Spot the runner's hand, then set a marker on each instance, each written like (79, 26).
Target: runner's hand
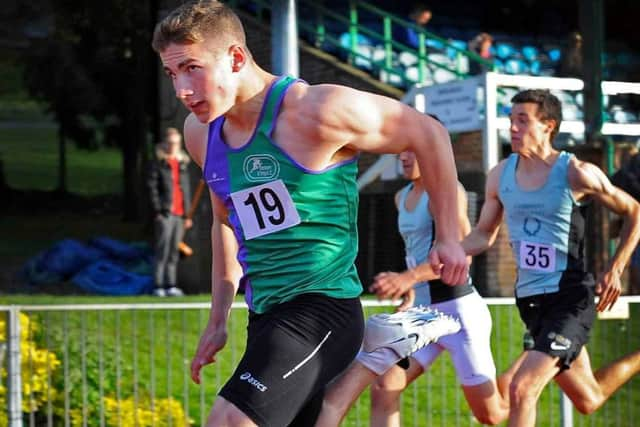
(609, 289)
(450, 262)
(407, 300)
(391, 285)
(213, 339)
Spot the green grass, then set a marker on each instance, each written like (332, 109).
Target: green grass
(148, 352)
(30, 156)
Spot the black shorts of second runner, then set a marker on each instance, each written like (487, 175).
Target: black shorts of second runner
(559, 322)
(292, 352)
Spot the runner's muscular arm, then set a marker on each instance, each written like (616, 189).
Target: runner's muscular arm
(226, 271)
(366, 122)
(587, 180)
(484, 234)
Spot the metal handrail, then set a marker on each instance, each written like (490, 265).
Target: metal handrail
(353, 27)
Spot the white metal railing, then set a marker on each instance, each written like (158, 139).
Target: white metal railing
(108, 364)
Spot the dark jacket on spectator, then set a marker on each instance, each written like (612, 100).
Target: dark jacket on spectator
(160, 182)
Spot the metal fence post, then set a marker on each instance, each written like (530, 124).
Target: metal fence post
(566, 410)
(14, 383)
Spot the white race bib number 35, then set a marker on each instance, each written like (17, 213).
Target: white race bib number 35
(265, 209)
(537, 256)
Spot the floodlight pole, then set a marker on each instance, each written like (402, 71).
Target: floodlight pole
(284, 39)
(592, 32)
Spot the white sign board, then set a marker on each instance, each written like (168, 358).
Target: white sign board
(455, 103)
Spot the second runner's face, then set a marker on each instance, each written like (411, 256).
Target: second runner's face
(410, 168)
(202, 80)
(528, 132)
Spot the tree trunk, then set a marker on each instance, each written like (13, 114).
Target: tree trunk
(136, 122)
(62, 161)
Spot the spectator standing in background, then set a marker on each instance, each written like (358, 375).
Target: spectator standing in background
(481, 45)
(420, 15)
(571, 58)
(169, 191)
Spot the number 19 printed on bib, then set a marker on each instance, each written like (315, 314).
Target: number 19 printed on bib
(265, 209)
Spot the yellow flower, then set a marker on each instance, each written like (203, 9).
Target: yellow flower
(156, 412)
(36, 367)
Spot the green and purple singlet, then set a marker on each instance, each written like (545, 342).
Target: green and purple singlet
(296, 228)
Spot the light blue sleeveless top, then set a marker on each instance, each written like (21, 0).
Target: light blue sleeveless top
(417, 229)
(546, 230)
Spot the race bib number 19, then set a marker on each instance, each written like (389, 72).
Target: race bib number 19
(537, 256)
(265, 209)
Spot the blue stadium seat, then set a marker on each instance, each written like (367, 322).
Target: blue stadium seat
(515, 66)
(535, 68)
(452, 52)
(498, 65)
(434, 44)
(441, 75)
(554, 54)
(411, 73)
(392, 79)
(504, 50)
(407, 59)
(361, 39)
(619, 115)
(439, 58)
(530, 53)
(363, 60)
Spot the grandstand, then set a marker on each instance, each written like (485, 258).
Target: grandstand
(361, 34)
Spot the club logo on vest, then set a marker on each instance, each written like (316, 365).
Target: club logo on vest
(253, 381)
(261, 167)
(531, 226)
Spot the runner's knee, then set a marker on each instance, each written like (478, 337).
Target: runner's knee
(224, 413)
(587, 403)
(523, 392)
(489, 416)
(385, 392)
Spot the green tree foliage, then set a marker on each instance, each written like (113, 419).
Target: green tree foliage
(92, 64)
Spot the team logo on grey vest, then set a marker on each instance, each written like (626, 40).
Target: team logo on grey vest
(531, 226)
(261, 167)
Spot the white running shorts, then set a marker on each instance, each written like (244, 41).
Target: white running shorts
(470, 348)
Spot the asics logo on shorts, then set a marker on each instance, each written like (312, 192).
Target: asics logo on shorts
(254, 382)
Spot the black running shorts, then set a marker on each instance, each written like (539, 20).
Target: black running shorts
(292, 352)
(559, 322)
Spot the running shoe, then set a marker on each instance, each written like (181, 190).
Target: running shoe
(406, 332)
